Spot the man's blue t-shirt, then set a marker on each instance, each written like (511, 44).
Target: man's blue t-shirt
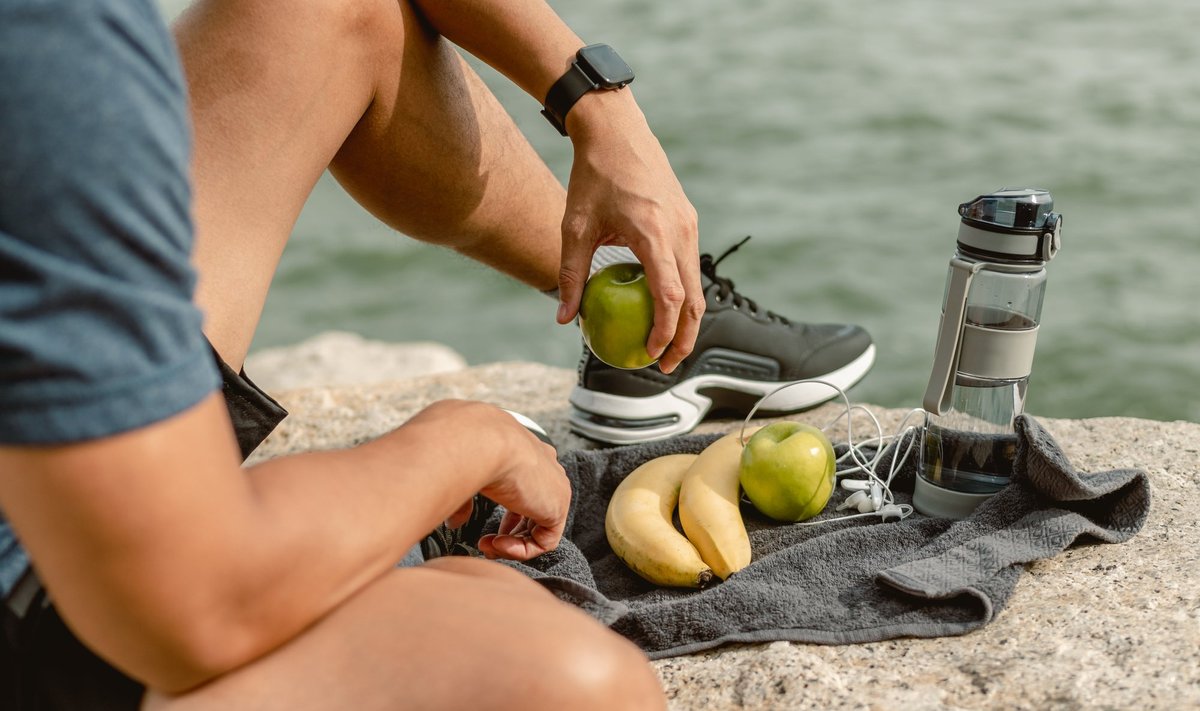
(98, 333)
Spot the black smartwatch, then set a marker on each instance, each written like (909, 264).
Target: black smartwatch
(596, 66)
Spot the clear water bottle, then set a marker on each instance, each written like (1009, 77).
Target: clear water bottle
(990, 316)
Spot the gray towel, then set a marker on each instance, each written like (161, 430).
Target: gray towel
(849, 581)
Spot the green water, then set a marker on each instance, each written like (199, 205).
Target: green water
(842, 134)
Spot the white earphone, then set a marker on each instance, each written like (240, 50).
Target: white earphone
(871, 497)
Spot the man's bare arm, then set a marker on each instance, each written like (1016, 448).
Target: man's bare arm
(622, 188)
(177, 565)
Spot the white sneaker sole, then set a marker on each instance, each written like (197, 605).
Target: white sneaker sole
(617, 419)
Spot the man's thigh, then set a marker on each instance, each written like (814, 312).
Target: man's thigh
(460, 633)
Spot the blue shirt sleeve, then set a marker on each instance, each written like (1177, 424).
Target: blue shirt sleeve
(98, 332)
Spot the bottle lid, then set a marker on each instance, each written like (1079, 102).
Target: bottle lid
(1010, 224)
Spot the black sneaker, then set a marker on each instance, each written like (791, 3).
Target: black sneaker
(742, 353)
(464, 540)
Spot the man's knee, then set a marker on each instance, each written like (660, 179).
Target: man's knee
(350, 22)
(595, 667)
(606, 671)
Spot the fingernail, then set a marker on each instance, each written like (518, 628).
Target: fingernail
(562, 311)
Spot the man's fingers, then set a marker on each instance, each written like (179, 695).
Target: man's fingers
(487, 547)
(662, 276)
(690, 314)
(573, 270)
(546, 538)
(507, 547)
(529, 544)
(509, 522)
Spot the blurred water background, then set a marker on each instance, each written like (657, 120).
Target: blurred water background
(842, 135)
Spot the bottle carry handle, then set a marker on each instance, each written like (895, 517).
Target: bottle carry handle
(949, 341)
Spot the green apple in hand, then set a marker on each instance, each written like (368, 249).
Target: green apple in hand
(616, 314)
(787, 470)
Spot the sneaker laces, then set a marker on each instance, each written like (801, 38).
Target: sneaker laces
(725, 287)
(444, 541)
(464, 540)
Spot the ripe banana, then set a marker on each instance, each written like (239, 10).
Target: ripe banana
(709, 506)
(640, 529)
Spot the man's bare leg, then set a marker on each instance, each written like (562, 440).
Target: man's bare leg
(280, 91)
(454, 634)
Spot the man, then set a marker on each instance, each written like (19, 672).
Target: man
(375, 92)
(272, 587)
(275, 586)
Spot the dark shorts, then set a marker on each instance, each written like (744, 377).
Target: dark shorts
(254, 413)
(43, 667)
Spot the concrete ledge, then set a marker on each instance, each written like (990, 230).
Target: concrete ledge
(1100, 626)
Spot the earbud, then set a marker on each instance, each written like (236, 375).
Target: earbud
(855, 501)
(856, 484)
(866, 505)
(862, 500)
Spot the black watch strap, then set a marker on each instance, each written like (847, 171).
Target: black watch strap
(569, 89)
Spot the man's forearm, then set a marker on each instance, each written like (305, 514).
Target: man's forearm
(328, 522)
(175, 565)
(530, 44)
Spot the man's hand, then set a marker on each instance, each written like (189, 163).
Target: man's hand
(519, 539)
(527, 480)
(622, 191)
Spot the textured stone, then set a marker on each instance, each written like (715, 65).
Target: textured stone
(1098, 627)
(341, 358)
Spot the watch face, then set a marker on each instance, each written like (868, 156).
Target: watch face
(606, 66)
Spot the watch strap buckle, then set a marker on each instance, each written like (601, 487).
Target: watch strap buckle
(558, 125)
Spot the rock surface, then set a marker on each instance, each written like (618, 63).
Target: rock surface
(341, 358)
(1098, 627)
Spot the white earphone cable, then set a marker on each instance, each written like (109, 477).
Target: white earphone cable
(873, 496)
